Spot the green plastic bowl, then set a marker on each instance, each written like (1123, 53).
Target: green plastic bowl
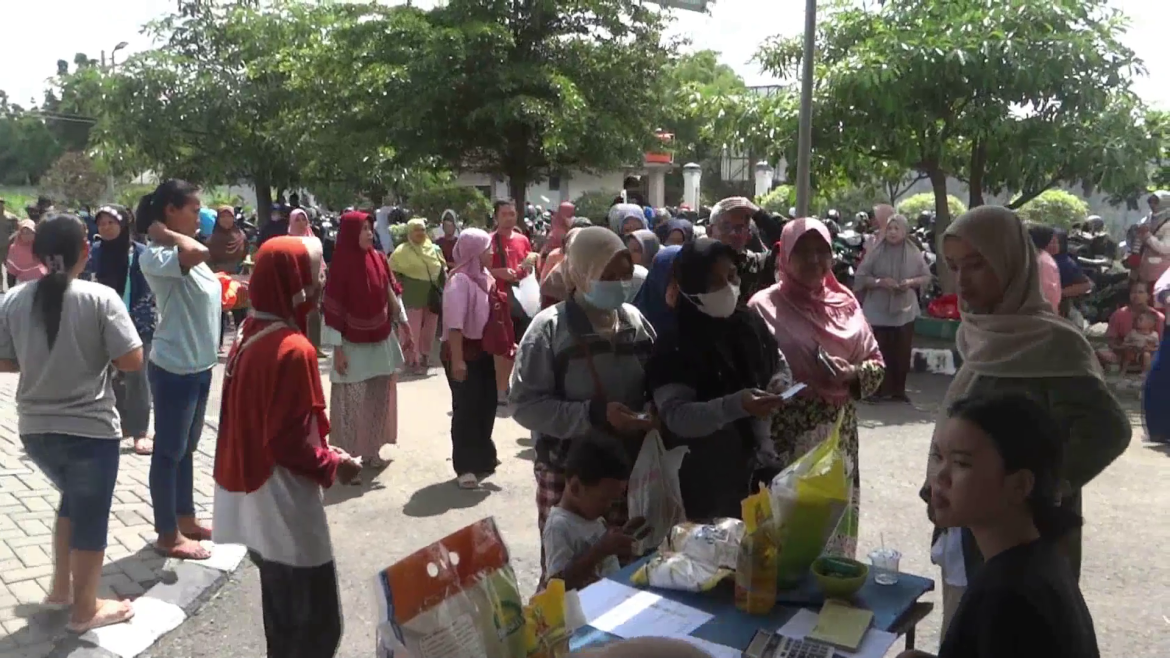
(839, 577)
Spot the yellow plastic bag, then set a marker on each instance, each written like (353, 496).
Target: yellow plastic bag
(809, 500)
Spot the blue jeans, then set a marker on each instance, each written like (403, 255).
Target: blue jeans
(85, 470)
(180, 402)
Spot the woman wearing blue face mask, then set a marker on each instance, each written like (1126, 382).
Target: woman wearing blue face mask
(580, 368)
(709, 380)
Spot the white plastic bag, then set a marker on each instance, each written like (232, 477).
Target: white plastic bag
(528, 294)
(654, 491)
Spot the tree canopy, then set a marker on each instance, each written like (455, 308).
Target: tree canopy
(1008, 97)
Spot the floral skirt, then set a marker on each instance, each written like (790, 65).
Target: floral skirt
(363, 416)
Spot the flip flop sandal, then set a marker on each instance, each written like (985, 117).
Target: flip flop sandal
(125, 612)
(144, 446)
(171, 553)
(467, 481)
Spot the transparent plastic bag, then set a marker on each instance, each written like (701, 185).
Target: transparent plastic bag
(654, 490)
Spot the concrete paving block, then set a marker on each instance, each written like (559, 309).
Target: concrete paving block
(192, 584)
(123, 585)
(138, 571)
(224, 557)
(152, 619)
(27, 592)
(31, 573)
(34, 528)
(39, 504)
(73, 647)
(33, 556)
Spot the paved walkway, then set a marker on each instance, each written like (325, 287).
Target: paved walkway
(27, 512)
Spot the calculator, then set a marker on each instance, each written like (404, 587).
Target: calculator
(774, 645)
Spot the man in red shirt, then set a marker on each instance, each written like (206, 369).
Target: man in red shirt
(510, 248)
(1122, 321)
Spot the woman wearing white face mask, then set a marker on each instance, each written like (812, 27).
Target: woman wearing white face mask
(709, 379)
(579, 371)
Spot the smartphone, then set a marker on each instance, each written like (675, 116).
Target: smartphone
(826, 362)
(796, 388)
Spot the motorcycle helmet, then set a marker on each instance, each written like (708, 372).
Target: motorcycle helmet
(1094, 224)
(833, 215)
(925, 219)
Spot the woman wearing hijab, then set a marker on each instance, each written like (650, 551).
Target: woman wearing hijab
(657, 298)
(361, 309)
(227, 248)
(580, 368)
(449, 238)
(1073, 281)
(1042, 236)
(643, 245)
(22, 264)
(471, 371)
(709, 381)
(115, 262)
(421, 269)
(625, 218)
(1011, 341)
(823, 335)
(553, 286)
(890, 276)
(298, 224)
(555, 255)
(272, 459)
(675, 232)
(1153, 237)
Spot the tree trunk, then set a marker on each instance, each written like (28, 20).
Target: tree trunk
(518, 190)
(942, 220)
(263, 199)
(975, 180)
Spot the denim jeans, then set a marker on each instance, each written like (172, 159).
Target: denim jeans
(180, 402)
(85, 470)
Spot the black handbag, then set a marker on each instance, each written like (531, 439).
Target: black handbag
(435, 294)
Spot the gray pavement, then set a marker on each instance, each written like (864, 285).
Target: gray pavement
(414, 501)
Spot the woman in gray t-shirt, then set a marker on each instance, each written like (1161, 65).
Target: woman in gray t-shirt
(61, 334)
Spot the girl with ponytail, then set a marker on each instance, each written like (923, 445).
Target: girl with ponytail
(995, 470)
(61, 334)
(182, 355)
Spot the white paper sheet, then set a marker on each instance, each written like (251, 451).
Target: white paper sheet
(628, 612)
(874, 644)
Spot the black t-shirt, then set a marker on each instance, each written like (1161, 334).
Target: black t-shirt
(1023, 603)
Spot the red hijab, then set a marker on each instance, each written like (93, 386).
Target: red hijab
(359, 285)
(271, 389)
(804, 317)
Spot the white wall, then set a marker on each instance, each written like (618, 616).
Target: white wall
(571, 186)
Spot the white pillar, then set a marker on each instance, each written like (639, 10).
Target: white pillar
(692, 173)
(657, 186)
(500, 189)
(763, 178)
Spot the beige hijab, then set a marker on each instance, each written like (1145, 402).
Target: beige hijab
(587, 256)
(895, 261)
(1022, 337)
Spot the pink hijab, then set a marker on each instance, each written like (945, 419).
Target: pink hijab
(471, 244)
(305, 231)
(803, 317)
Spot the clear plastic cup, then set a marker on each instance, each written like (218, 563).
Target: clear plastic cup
(885, 563)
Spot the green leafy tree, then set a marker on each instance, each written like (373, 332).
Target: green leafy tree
(1028, 96)
(75, 180)
(27, 146)
(594, 206)
(1056, 208)
(208, 104)
(521, 90)
(73, 101)
(472, 207)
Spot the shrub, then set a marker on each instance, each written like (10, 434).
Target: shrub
(914, 205)
(74, 180)
(472, 207)
(594, 206)
(1055, 208)
(779, 200)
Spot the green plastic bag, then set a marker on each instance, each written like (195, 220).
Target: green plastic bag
(809, 501)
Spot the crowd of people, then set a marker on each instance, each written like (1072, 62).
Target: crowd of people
(640, 327)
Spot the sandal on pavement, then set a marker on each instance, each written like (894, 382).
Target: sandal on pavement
(143, 446)
(108, 613)
(187, 549)
(468, 481)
